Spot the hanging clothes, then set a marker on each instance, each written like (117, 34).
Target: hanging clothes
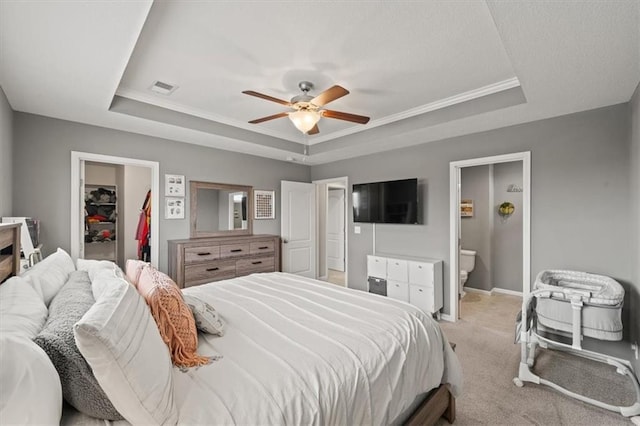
(143, 233)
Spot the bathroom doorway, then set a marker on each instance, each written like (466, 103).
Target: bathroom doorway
(484, 222)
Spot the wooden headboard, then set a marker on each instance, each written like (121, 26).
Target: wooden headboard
(9, 250)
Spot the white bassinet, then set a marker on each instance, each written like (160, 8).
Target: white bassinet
(573, 304)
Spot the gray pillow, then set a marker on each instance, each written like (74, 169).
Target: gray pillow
(206, 317)
(79, 386)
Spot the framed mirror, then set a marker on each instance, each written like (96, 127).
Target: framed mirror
(220, 209)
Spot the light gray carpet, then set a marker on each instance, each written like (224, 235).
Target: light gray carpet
(489, 358)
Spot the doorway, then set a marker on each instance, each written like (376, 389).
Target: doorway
(101, 166)
(455, 197)
(332, 216)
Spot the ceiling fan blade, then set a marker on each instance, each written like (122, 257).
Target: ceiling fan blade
(329, 95)
(361, 119)
(314, 130)
(271, 117)
(266, 97)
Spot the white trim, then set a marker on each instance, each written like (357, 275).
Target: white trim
(506, 291)
(477, 290)
(76, 158)
(422, 109)
(493, 290)
(153, 99)
(470, 95)
(344, 180)
(446, 317)
(454, 220)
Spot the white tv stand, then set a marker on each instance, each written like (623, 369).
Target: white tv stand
(415, 280)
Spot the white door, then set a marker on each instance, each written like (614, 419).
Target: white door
(298, 228)
(81, 206)
(335, 230)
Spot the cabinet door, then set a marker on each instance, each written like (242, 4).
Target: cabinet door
(422, 297)
(376, 266)
(397, 270)
(398, 290)
(421, 273)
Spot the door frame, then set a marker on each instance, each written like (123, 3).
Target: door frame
(344, 182)
(454, 222)
(76, 158)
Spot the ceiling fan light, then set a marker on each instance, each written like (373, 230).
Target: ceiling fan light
(304, 120)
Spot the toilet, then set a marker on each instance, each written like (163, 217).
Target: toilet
(467, 263)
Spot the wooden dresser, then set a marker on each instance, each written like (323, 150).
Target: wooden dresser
(9, 250)
(198, 261)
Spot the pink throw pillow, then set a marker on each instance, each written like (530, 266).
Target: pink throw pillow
(133, 269)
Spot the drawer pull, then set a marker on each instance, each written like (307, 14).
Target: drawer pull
(420, 290)
(204, 253)
(256, 263)
(263, 247)
(212, 269)
(235, 250)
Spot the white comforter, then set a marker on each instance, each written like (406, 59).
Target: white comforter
(300, 351)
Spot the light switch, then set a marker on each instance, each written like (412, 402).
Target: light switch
(356, 229)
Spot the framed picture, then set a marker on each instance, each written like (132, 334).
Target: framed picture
(173, 208)
(264, 204)
(174, 185)
(466, 208)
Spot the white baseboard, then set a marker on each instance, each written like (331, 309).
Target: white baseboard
(446, 317)
(506, 291)
(477, 290)
(493, 290)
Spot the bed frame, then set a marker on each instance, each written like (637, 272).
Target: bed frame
(438, 403)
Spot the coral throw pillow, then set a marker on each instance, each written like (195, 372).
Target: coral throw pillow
(174, 318)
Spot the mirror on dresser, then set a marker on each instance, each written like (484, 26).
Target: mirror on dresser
(220, 209)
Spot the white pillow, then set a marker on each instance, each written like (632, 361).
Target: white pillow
(22, 311)
(49, 275)
(30, 392)
(206, 317)
(121, 342)
(93, 266)
(104, 279)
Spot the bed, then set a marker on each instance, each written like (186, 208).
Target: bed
(294, 351)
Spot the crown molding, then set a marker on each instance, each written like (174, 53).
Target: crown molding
(433, 106)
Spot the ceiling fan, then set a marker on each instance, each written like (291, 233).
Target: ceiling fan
(308, 108)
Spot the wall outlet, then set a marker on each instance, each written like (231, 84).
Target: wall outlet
(356, 229)
(634, 348)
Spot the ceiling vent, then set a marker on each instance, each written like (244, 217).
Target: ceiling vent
(162, 87)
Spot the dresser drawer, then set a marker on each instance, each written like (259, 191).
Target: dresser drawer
(398, 290)
(201, 254)
(211, 271)
(421, 273)
(376, 266)
(257, 247)
(231, 250)
(397, 270)
(256, 264)
(422, 297)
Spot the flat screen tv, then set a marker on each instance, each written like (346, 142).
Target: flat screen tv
(386, 202)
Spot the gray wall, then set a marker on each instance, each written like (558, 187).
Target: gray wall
(580, 169)
(506, 233)
(6, 156)
(42, 151)
(475, 232)
(635, 214)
